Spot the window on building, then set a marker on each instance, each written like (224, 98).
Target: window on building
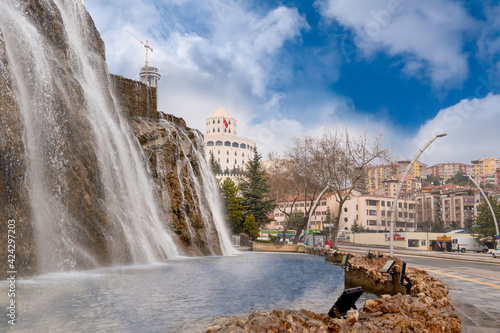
(412, 242)
(345, 209)
(346, 219)
(227, 144)
(210, 143)
(235, 154)
(382, 203)
(371, 202)
(400, 204)
(218, 159)
(218, 130)
(422, 242)
(227, 161)
(213, 121)
(235, 144)
(218, 121)
(371, 212)
(229, 122)
(235, 162)
(244, 146)
(382, 213)
(218, 143)
(243, 154)
(225, 130)
(323, 203)
(400, 214)
(229, 130)
(371, 222)
(218, 152)
(213, 130)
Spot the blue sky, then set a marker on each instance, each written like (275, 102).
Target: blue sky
(408, 69)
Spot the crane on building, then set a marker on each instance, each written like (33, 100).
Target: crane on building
(147, 47)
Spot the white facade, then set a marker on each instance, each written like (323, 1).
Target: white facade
(229, 150)
(153, 76)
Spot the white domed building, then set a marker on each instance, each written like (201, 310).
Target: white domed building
(229, 150)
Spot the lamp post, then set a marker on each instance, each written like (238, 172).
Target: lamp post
(489, 204)
(400, 185)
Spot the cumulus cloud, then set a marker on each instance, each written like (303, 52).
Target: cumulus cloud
(471, 128)
(210, 53)
(426, 34)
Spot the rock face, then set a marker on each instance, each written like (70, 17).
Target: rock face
(176, 167)
(426, 308)
(72, 172)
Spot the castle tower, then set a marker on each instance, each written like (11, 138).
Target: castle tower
(153, 76)
(221, 140)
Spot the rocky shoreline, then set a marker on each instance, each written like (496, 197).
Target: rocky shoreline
(422, 307)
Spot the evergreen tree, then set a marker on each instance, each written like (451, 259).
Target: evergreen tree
(250, 227)
(484, 225)
(214, 165)
(232, 205)
(255, 192)
(357, 227)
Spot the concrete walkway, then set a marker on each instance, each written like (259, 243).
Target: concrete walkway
(476, 297)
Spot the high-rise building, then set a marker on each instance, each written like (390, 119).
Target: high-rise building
(221, 140)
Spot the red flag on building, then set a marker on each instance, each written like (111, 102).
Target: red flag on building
(225, 122)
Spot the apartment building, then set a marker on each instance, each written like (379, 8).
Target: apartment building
(373, 212)
(485, 166)
(450, 205)
(411, 184)
(448, 170)
(376, 175)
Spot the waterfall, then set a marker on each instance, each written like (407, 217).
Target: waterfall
(72, 130)
(203, 185)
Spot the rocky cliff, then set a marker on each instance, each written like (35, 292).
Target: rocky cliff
(73, 176)
(171, 149)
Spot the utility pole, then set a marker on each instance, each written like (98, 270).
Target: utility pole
(147, 47)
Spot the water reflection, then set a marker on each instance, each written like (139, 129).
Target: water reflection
(180, 296)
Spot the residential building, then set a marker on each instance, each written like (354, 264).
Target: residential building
(485, 166)
(370, 211)
(448, 170)
(221, 140)
(411, 184)
(487, 180)
(454, 205)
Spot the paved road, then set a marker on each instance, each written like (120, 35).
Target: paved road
(472, 280)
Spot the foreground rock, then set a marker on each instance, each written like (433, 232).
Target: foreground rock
(425, 308)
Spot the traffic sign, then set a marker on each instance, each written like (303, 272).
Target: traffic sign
(498, 236)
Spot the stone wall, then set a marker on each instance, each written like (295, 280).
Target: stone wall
(423, 307)
(269, 247)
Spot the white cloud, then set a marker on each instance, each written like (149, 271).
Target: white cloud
(427, 34)
(472, 128)
(210, 53)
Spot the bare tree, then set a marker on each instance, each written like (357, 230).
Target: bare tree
(345, 159)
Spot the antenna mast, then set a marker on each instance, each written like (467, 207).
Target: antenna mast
(147, 47)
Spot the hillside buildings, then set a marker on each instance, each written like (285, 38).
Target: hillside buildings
(221, 140)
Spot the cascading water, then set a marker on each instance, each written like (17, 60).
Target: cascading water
(203, 185)
(72, 130)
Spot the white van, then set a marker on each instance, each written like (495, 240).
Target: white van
(464, 244)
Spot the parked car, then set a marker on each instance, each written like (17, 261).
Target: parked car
(496, 253)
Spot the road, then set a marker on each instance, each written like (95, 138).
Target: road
(474, 286)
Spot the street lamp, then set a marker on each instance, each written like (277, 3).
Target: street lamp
(400, 185)
(489, 204)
